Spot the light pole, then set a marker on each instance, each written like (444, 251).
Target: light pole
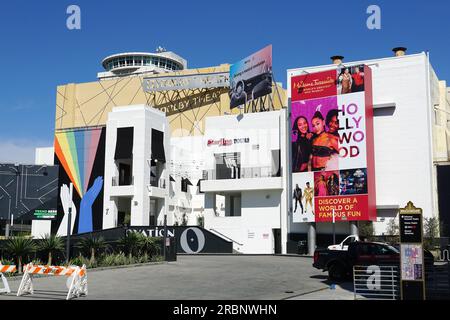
(334, 228)
(165, 236)
(69, 222)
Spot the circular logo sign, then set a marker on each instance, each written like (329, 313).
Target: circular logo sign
(192, 240)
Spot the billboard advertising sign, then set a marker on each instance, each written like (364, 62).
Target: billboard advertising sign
(28, 192)
(251, 77)
(332, 145)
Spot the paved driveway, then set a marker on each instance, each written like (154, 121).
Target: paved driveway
(194, 277)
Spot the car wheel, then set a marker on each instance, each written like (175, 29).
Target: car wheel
(336, 272)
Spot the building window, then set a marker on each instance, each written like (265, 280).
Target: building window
(233, 205)
(138, 61)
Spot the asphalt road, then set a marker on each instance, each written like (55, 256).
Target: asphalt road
(234, 277)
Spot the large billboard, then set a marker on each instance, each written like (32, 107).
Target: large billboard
(28, 192)
(332, 145)
(251, 78)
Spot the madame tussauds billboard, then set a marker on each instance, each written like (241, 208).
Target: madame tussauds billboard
(332, 145)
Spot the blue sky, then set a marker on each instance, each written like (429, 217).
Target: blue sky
(38, 52)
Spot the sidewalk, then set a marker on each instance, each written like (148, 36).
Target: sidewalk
(343, 291)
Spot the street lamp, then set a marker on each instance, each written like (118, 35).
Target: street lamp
(69, 222)
(334, 228)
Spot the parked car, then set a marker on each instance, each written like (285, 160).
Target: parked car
(344, 244)
(339, 263)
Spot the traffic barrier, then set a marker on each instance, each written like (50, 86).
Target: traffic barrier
(77, 283)
(6, 269)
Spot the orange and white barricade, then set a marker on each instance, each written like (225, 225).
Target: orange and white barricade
(77, 281)
(6, 269)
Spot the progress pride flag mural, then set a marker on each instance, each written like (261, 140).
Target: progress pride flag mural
(332, 145)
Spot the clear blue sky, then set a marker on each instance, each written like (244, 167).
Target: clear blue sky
(38, 52)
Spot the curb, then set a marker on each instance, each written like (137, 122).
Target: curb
(127, 266)
(246, 255)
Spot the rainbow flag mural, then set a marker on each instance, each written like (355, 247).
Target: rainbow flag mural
(76, 151)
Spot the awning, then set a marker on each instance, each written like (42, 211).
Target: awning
(158, 146)
(198, 185)
(184, 183)
(124, 143)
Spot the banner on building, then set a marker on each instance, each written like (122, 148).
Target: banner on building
(28, 192)
(332, 145)
(251, 77)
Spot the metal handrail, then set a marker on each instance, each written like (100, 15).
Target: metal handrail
(116, 182)
(389, 286)
(244, 173)
(214, 230)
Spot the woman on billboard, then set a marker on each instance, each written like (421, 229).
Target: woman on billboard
(325, 147)
(301, 148)
(345, 79)
(321, 187)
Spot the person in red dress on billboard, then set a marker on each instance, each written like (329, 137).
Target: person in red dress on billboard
(325, 146)
(358, 80)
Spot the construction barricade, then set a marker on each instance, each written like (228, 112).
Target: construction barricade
(77, 281)
(6, 269)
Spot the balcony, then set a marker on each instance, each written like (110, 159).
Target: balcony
(158, 183)
(121, 181)
(122, 187)
(241, 173)
(245, 179)
(157, 188)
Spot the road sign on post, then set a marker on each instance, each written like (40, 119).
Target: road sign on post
(411, 253)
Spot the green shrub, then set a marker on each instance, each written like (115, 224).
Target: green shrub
(20, 247)
(131, 243)
(91, 246)
(157, 258)
(51, 244)
(80, 260)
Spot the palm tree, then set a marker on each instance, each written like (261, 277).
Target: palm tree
(20, 247)
(92, 245)
(51, 244)
(150, 245)
(131, 243)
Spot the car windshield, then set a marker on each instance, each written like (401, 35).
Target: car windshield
(393, 249)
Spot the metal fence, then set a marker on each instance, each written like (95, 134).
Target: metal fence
(437, 279)
(243, 173)
(376, 282)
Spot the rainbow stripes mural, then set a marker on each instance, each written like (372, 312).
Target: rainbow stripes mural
(76, 150)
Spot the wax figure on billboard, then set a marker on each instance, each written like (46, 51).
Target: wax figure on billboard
(325, 148)
(315, 138)
(350, 80)
(298, 197)
(308, 195)
(302, 146)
